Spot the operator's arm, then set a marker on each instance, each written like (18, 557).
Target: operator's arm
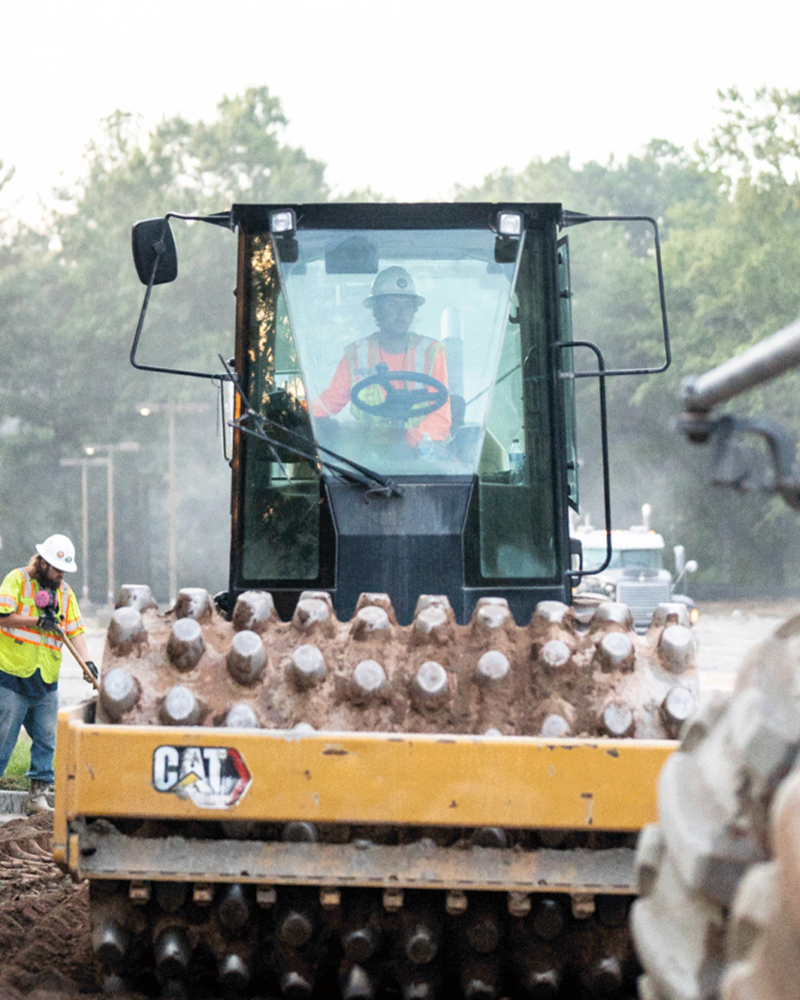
(337, 395)
(437, 424)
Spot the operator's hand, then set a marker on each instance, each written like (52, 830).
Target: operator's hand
(48, 624)
(93, 669)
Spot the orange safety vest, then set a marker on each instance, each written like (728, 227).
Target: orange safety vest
(363, 357)
(25, 649)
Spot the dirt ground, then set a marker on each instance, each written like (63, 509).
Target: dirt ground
(45, 941)
(44, 919)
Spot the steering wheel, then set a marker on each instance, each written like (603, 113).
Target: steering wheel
(400, 405)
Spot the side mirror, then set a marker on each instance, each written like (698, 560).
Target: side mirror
(152, 240)
(682, 567)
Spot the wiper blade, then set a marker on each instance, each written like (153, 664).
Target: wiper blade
(356, 473)
(255, 423)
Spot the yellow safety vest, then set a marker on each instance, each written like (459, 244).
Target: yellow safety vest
(23, 650)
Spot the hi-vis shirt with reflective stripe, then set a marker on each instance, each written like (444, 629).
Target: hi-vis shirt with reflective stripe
(24, 649)
(361, 358)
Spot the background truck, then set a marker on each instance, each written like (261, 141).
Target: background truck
(636, 574)
(386, 760)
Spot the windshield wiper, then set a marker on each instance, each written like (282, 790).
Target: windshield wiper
(256, 424)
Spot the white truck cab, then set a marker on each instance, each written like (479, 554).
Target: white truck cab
(635, 575)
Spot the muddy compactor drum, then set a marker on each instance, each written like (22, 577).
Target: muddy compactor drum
(359, 809)
(322, 784)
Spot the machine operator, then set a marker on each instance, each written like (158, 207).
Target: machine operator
(394, 303)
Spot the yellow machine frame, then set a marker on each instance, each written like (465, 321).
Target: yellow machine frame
(362, 779)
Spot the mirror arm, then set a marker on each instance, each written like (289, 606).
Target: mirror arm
(577, 219)
(218, 219)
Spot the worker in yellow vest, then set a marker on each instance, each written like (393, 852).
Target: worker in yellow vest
(35, 605)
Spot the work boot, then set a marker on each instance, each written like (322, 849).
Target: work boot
(37, 801)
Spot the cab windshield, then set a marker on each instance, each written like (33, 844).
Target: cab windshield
(396, 343)
(412, 354)
(625, 558)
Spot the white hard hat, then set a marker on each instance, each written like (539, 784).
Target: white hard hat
(393, 281)
(59, 551)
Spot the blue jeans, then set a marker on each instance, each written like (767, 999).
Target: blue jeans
(38, 714)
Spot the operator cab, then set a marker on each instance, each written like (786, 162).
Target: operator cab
(406, 486)
(404, 400)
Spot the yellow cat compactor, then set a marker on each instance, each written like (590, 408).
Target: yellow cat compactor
(391, 760)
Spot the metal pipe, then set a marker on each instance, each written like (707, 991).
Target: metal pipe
(764, 361)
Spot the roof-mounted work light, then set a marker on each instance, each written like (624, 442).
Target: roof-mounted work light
(508, 241)
(509, 224)
(282, 222)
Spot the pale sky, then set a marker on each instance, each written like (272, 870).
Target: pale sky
(409, 98)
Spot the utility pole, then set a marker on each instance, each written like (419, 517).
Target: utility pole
(84, 463)
(173, 496)
(108, 461)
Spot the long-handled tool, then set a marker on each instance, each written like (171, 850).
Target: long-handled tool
(87, 673)
(46, 601)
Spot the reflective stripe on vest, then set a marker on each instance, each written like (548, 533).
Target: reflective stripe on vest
(363, 357)
(23, 649)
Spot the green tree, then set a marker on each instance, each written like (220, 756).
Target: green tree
(70, 299)
(757, 137)
(728, 214)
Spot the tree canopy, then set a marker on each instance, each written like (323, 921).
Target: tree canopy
(729, 214)
(69, 300)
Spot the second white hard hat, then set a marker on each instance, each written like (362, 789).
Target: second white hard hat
(59, 551)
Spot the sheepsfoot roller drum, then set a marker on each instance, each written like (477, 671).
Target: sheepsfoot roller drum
(362, 809)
